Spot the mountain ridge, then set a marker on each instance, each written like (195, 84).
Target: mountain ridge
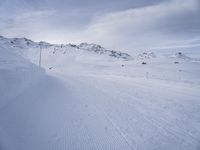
(24, 43)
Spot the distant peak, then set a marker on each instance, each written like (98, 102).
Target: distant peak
(24, 43)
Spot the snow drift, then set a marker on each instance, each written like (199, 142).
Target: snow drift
(16, 75)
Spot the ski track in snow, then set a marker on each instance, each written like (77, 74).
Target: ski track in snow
(90, 102)
(102, 112)
(163, 120)
(68, 121)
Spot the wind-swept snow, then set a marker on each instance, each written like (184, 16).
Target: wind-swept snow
(16, 74)
(86, 100)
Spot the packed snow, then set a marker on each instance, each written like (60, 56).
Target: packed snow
(87, 97)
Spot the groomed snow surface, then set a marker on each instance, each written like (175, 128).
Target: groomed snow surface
(81, 100)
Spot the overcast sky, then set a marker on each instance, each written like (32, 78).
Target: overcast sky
(115, 24)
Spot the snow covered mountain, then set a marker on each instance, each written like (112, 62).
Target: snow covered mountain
(86, 97)
(24, 44)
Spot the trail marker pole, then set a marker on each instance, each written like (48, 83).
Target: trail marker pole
(40, 59)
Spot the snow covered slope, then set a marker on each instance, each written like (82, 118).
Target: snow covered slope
(16, 74)
(23, 44)
(89, 99)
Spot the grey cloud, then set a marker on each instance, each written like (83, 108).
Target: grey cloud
(121, 24)
(149, 26)
(78, 11)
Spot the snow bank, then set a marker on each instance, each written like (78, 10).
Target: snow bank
(16, 74)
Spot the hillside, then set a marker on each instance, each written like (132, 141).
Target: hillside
(87, 97)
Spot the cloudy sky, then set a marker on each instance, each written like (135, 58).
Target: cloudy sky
(115, 24)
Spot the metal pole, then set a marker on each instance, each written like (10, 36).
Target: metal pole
(40, 56)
